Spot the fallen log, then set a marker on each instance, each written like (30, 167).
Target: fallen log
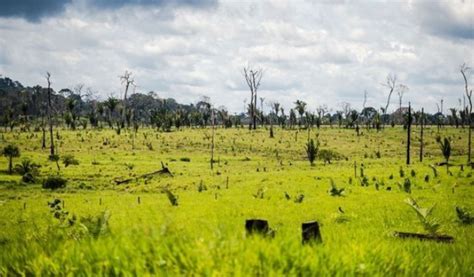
(438, 238)
(163, 171)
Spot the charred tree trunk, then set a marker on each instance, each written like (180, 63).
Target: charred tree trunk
(212, 140)
(408, 133)
(50, 120)
(422, 123)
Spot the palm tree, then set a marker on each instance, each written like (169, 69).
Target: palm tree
(445, 146)
(11, 151)
(301, 108)
(111, 104)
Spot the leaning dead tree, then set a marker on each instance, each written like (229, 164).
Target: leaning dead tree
(253, 78)
(464, 70)
(127, 80)
(163, 171)
(50, 119)
(390, 83)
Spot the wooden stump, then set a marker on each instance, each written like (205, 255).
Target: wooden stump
(310, 232)
(438, 238)
(256, 226)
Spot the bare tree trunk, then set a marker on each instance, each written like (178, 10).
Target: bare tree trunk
(465, 68)
(390, 83)
(408, 133)
(255, 110)
(422, 123)
(43, 139)
(253, 79)
(127, 80)
(212, 139)
(50, 121)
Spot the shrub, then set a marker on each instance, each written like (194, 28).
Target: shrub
(445, 146)
(96, 225)
(69, 160)
(407, 185)
(312, 150)
(334, 191)
(28, 178)
(327, 155)
(201, 186)
(299, 198)
(429, 223)
(364, 181)
(54, 182)
(27, 166)
(402, 173)
(464, 216)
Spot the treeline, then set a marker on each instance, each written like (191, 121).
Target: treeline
(27, 108)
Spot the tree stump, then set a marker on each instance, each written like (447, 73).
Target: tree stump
(310, 232)
(257, 226)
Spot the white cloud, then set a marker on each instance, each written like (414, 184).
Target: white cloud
(322, 52)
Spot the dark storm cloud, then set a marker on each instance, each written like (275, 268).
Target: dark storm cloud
(35, 10)
(121, 3)
(31, 10)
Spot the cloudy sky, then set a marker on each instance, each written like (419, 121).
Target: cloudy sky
(322, 52)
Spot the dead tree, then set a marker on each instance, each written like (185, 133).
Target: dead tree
(401, 91)
(422, 123)
(390, 83)
(127, 80)
(365, 99)
(464, 70)
(409, 119)
(50, 119)
(212, 138)
(253, 78)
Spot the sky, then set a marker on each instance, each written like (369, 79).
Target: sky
(324, 52)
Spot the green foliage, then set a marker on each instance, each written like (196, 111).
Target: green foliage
(204, 235)
(97, 225)
(201, 186)
(407, 185)
(364, 181)
(327, 155)
(334, 190)
(430, 224)
(464, 216)
(402, 172)
(28, 169)
(445, 146)
(260, 194)
(312, 150)
(11, 151)
(299, 198)
(54, 182)
(69, 160)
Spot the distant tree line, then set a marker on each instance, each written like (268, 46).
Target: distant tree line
(27, 108)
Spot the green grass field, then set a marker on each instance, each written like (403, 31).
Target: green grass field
(143, 234)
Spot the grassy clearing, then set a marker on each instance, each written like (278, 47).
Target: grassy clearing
(204, 234)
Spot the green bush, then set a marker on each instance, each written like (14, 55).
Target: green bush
(54, 182)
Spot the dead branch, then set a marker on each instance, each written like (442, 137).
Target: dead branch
(163, 171)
